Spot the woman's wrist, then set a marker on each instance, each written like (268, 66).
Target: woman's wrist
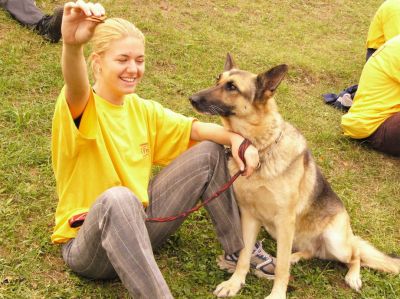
(76, 48)
(235, 138)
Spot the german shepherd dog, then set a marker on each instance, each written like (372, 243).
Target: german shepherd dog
(287, 194)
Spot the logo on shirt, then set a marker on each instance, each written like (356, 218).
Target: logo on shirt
(144, 149)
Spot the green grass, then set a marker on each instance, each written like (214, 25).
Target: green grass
(323, 44)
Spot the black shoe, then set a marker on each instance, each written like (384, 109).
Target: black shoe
(50, 25)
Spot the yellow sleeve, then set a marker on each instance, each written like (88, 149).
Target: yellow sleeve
(171, 134)
(66, 137)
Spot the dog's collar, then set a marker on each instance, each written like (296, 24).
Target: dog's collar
(270, 147)
(228, 150)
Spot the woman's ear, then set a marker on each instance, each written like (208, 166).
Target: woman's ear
(95, 64)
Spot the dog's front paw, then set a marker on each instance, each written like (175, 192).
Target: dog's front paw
(354, 281)
(228, 288)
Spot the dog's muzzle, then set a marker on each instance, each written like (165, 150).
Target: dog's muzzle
(211, 106)
(198, 103)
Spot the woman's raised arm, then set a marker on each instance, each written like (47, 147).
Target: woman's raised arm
(77, 29)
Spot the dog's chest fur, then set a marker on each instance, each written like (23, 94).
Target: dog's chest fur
(269, 189)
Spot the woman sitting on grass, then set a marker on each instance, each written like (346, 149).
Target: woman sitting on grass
(105, 139)
(374, 116)
(384, 25)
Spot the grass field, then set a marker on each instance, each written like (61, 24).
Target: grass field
(322, 42)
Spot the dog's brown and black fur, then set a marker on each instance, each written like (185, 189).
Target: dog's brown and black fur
(287, 195)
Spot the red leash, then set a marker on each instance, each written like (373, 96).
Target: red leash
(243, 146)
(77, 220)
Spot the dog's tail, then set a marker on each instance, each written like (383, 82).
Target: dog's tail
(375, 259)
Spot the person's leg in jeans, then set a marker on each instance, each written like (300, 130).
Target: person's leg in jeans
(199, 173)
(113, 241)
(28, 14)
(196, 174)
(24, 11)
(387, 137)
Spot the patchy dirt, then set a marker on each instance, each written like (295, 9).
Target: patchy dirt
(303, 75)
(4, 252)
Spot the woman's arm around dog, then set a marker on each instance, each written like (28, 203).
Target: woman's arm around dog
(213, 132)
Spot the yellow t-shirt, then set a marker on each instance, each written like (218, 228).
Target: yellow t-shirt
(114, 146)
(378, 94)
(385, 24)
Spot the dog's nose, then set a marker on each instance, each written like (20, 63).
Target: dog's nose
(194, 98)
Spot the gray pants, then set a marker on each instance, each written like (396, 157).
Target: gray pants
(115, 240)
(24, 11)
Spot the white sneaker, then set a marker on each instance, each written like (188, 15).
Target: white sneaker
(346, 100)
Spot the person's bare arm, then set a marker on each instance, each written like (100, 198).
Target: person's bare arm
(76, 31)
(208, 131)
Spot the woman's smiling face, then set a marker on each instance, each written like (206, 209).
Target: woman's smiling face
(121, 67)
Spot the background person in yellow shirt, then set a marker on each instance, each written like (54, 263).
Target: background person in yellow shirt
(374, 116)
(105, 139)
(384, 25)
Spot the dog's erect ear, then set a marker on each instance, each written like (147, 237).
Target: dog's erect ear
(269, 81)
(229, 63)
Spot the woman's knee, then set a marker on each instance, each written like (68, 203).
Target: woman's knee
(214, 151)
(209, 146)
(120, 198)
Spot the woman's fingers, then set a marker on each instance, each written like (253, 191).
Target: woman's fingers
(86, 8)
(97, 19)
(252, 160)
(98, 10)
(92, 11)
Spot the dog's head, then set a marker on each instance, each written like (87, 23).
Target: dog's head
(238, 93)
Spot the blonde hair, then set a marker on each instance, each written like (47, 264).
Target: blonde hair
(112, 29)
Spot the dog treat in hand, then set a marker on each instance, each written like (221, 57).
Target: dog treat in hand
(100, 19)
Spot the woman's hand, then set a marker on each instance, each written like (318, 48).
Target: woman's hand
(213, 132)
(251, 155)
(76, 29)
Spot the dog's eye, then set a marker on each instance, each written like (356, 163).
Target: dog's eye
(230, 86)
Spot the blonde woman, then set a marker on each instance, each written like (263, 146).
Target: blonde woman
(105, 139)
